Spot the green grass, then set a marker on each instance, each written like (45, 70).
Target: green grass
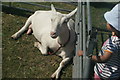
(21, 59)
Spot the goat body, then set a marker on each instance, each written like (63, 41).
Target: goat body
(52, 29)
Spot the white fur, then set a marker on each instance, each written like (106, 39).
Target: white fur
(42, 24)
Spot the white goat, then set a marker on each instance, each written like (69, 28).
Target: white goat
(54, 31)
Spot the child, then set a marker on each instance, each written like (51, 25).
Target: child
(108, 59)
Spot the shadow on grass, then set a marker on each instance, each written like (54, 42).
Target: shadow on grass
(16, 11)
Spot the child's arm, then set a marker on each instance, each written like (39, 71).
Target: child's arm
(102, 58)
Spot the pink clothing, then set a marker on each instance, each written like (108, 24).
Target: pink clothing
(96, 77)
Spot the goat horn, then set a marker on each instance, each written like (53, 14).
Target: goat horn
(71, 13)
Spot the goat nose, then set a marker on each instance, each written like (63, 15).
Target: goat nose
(52, 33)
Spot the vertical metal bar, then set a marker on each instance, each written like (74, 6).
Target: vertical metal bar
(84, 32)
(78, 68)
(96, 46)
(84, 28)
(87, 65)
(89, 27)
(80, 41)
(102, 37)
(75, 60)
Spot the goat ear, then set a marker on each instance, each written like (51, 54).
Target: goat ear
(64, 19)
(53, 8)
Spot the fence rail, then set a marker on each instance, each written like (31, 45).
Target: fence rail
(40, 5)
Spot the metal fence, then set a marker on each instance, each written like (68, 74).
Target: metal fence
(87, 41)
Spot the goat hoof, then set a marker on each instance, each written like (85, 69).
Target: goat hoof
(13, 37)
(36, 44)
(52, 78)
(45, 54)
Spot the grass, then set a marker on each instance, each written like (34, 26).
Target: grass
(20, 58)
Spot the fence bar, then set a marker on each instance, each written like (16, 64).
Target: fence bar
(80, 41)
(84, 28)
(87, 65)
(34, 4)
(89, 27)
(40, 5)
(102, 37)
(84, 32)
(72, 3)
(75, 60)
(27, 10)
(78, 63)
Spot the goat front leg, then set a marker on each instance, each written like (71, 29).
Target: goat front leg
(41, 47)
(25, 27)
(56, 74)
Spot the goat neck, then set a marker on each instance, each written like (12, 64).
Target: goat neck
(63, 38)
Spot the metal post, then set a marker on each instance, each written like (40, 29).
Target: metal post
(84, 32)
(87, 68)
(78, 63)
(80, 41)
(75, 60)
(89, 27)
(81, 68)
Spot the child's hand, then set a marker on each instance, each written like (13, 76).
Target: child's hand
(80, 53)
